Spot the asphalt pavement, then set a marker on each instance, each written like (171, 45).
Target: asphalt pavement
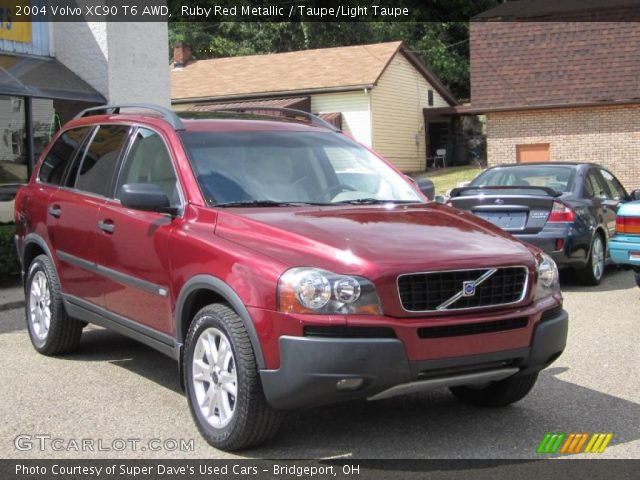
(116, 392)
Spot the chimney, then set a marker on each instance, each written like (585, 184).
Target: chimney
(181, 54)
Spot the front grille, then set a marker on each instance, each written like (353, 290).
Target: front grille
(472, 328)
(422, 292)
(337, 331)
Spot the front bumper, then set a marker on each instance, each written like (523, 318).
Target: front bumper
(311, 367)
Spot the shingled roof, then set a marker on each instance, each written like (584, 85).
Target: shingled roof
(521, 65)
(291, 73)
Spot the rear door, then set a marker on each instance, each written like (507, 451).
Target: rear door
(73, 212)
(612, 196)
(134, 250)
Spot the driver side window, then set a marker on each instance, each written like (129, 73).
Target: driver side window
(148, 161)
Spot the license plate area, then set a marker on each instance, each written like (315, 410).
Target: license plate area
(505, 220)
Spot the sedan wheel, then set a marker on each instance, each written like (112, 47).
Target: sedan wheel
(597, 257)
(594, 269)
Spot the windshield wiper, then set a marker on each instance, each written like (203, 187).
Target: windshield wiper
(372, 201)
(264, 203)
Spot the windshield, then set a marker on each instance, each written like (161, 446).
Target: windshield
(268, 168)
(559, 179)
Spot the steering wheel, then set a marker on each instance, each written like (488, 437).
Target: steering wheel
(330, 192)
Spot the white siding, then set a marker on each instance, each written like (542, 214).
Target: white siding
(124, 61)
(355, 108)
(398, 122)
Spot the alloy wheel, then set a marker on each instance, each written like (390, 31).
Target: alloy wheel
(215, 381)
(40, 305)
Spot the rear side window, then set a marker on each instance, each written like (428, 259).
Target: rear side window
(60, 155)
(616, 190)
(100, 158)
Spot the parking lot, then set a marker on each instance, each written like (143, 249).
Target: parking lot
(114, 388)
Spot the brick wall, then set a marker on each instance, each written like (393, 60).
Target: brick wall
(608, 135)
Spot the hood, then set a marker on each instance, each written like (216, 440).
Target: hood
(373, 240)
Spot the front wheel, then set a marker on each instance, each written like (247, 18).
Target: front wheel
(497, 394)
(223, 384)
(594, 269)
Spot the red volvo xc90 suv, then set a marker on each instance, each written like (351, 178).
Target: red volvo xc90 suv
(282, 264)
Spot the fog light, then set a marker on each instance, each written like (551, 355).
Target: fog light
(349, 384)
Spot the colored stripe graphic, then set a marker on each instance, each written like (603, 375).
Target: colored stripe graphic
(551, 442)
(598, 442)
(573, 443)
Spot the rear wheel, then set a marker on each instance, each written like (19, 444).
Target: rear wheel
(51, 330)
(223, 383)
(592, 272)
(497, 394)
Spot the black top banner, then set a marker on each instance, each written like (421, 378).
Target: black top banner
(318, 11)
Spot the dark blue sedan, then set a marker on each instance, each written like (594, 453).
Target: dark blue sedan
(566, 209)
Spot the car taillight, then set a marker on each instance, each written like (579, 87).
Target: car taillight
(561, 213)
(628, 225)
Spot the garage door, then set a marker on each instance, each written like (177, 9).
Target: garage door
(533, 152)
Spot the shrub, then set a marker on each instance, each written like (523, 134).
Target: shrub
(9, 264)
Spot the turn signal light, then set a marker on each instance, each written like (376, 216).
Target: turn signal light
(561, 213)
(628, 225)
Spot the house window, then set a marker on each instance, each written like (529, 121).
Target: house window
(532, 152)
(430, 98)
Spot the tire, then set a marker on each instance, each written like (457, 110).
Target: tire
(593, 271)
(51, 330)
(227, 421)
(498, 394)
(636, 276)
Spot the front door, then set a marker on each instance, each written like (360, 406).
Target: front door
(134, 250)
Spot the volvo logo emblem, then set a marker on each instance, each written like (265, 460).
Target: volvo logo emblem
(469, 289)
(499, 201)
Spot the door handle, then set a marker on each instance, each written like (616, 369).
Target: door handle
(106, 226)
(55, 211)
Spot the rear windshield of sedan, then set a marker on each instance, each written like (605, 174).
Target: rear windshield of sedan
(557, 178)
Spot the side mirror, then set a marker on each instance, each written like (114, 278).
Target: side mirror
(427, 187)
(635, 195)
(147, 197)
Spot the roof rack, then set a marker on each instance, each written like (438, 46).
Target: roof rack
(168, 115)
(288, 112)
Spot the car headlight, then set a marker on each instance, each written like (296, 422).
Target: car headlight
(311, 290)
(548, 278)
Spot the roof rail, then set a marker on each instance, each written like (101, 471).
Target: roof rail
(168, 115)
(288, 112)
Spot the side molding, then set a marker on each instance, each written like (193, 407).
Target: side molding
(208, 282)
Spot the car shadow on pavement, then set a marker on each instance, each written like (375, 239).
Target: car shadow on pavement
(427, 425)
(100, 345)
(614, 279)
(436, 425)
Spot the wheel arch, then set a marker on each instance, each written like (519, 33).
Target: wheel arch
(202, 290)
(33, 246)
